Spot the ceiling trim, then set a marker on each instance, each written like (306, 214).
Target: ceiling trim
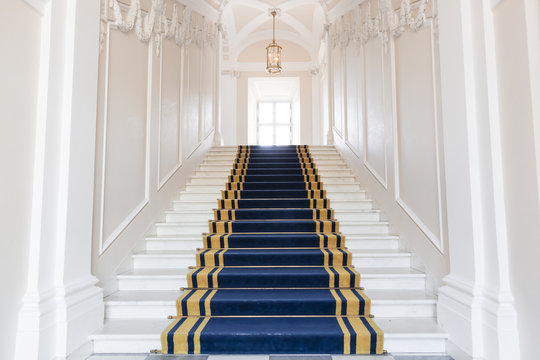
(202, 7)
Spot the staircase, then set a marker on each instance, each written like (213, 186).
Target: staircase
(137, 314)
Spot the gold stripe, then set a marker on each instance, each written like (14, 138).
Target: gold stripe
(325, 262)
(215, 277)
(202, 277)
(363, 336)
(346, 337)
(220, 257)
(197, 337)
(353, 303)
(193, 302)
(337, 257)
(181, 335)
(179, 302)
(164, 336)
(344, 277)
(207, 308)
(330, 276)
(226, 241)
(338, 302)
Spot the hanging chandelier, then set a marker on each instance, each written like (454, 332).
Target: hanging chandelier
(273, 51)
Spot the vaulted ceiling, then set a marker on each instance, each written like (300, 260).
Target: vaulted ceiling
(248, 22)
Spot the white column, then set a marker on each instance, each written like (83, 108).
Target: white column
(218, 138)
(62, 305)
(330, 133)
(475, 304)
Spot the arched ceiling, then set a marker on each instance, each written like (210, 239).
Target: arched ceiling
(247, 22)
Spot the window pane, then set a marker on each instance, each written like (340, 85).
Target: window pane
(266, 113)
(266, 135)
(283, 135)
(283, 113)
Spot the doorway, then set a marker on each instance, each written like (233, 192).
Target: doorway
(274, 111)
(274, 123)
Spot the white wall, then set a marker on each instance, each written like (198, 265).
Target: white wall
(386, 122)
(155, 122)
(517, 31)
(18, 109)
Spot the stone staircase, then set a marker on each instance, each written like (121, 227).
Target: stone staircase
(137, 313)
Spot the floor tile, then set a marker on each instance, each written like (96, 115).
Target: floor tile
(300, 357)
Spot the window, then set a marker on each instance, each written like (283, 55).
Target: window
(274, 125)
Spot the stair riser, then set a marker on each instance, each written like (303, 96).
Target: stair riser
(363, 229)
(328, 180)
(156, 284)
(410, 344)
(351, 244)
(173, 245)
(318, 162)
(144, 310)
(221, 186)
(180, 205)
(195, 230)
(186, 216)
(362, 216)
(185, 227)
(227, 172)
(182, 262)
(339, 206)
(321, 167)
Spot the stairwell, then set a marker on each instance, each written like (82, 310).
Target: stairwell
(137, 313)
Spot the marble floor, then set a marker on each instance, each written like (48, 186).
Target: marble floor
(268, 357)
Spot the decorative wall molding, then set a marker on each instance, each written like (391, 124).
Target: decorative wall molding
(162, 179)
(437, 239)
(155, 23)
(104, 243)
(386, 23)
(38, 5)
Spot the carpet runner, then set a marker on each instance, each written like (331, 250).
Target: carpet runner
(273, 275)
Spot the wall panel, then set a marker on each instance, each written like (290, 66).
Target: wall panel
(354, 93)
(417, 170)
(170, 157)
(192, 88)
(375, 133)
(125, 155)
(337, 76)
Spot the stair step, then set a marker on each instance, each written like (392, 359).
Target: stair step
(174, 279)
(198, 227)
(167, 259)
(401, 335)
(191, 242)
(160, 304)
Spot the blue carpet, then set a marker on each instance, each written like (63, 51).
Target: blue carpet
(273, 276)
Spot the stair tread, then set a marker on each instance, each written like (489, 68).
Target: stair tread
(349, 236)
(174, 253)
(365, 272)
(152, 328)
(170, 297)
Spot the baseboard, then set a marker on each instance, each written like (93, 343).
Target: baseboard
(58, 321)
(479, 326)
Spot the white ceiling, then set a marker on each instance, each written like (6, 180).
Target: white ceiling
(248, 21)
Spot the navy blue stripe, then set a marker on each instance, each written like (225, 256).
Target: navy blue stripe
(336, 277)
(362, 309)
(191, 333)
(202, 308)
(352, 276)
(184, 302)
(194, 277)
(373, 345)
(170, 336)
(201, 257)
(343, 303)
(353, 334)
